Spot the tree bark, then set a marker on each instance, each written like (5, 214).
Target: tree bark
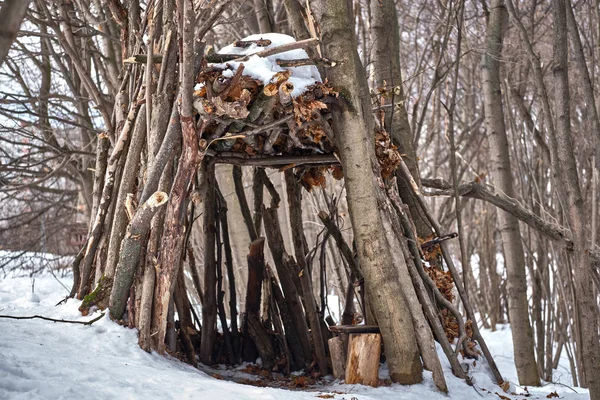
(353, 125)
(130, 254)
(173, 236)
(289, 283)
(501, 174)
(388, 78)
(573, 202)
(262, 15)
(209, 300)
(130, 173)
(295, 209)
(12, 14)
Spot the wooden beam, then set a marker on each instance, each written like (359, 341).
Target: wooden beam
(354, 329)
(272, 161)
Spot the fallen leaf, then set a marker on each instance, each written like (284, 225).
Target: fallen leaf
(505, 386)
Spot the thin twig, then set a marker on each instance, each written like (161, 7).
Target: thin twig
(55, 320)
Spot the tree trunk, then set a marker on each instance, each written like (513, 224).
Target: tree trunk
(353, 127)
(573, 203)
(262, 15)
(509, 225)
(388, 77)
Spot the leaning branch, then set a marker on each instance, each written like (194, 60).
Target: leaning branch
(475, 190)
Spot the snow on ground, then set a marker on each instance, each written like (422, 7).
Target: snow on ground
(32, 262)
(45, 360)
(263, 69)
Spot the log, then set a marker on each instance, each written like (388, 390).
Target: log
(354, 329)
(278, 324)
(455, 275)
(243, 201)
(258, 194)
(262, 340)
(184, 313)
(337, 351)
(227, 339)
(105, 200)
(310, 306)
(362, 364)
(235, 334)
(348, 313)
(248, 43)
(261, 106)
(131, 249)
(292, 339)
(288, 277)
(301, 44)
(143, 59)
(145, 323)
(223, 58)
(191, 157)
(256, 266)
(242, 159)
(209, 304)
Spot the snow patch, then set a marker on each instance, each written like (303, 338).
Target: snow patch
(45, 360)
(263, 68)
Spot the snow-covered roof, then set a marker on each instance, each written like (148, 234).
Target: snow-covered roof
(263, 69)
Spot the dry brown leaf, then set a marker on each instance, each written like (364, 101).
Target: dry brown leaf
(313, 176)
(233, 109)
(387, 153)
(337, 172)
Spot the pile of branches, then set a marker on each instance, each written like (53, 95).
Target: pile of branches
(264, 119)
(250, 123)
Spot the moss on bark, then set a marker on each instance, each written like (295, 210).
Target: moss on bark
(99, 297)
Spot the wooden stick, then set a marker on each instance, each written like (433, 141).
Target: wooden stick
(457, 280)
(271, 161)
(300, 62)
(66, 321)
(143, 59)
(335, 232)
(223, 58)
(248, 43)
(282, 49)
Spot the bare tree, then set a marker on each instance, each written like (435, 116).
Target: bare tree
(514, 257)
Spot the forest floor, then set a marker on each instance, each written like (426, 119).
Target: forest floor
(45, 360)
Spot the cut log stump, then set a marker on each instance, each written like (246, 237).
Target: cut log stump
(337, 351)
(362, 363)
